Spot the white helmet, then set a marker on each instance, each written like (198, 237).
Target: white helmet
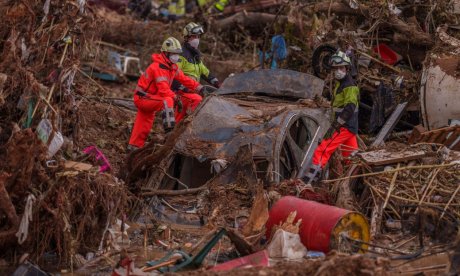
(193, 29)
(171, 45)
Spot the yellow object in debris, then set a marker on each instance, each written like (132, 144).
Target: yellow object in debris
(351, 227)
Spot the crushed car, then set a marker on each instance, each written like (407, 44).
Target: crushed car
(272, 110)
(277, 113)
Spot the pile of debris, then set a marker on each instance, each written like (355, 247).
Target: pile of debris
(401, 181)
(230, 168)
(391, 45)
(56, 194)
(395, 48)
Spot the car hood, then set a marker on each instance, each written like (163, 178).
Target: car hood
(223, 124)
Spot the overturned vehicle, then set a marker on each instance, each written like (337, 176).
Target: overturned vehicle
(277, 115)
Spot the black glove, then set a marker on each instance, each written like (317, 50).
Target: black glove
(336, 126)
(204, 91)
(178, 104)
(329, 132)
(215, 82)
(184, 89)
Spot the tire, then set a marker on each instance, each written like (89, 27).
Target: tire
(320, 59)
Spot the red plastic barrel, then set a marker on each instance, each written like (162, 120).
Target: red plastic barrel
(322, 225)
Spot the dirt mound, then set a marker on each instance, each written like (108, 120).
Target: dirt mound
(107, 127)
(334, 265)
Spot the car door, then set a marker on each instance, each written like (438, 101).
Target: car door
(299, 135)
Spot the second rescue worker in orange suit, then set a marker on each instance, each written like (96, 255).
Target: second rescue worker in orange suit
(154, 87)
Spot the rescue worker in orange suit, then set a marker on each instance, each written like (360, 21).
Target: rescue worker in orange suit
(345, 103)
(153, 92)
(192, 65)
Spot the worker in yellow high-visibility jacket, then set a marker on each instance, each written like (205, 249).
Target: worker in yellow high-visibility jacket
(216, 6)
(176, 9)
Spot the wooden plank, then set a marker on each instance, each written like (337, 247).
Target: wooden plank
(416, 134)
(456, 146)
(425, 137)
(434, 136)
(390, 124)
(453, 137)
(384, 157)
(442, 138)
(78, 166)
(376, 218)
(451, 128)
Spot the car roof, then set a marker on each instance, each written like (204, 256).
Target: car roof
(274, 82)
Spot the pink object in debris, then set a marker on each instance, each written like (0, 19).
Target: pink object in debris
(97, 153)
(259, 259)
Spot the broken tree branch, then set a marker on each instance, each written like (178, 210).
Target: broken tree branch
(376, 218)
(379, 61)
(174, 192)
(339, 8)
(247, 19)
(251, 6)
(392, 185)
(410, 31)
(449, 202)
(5, 202)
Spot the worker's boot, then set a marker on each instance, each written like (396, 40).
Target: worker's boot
(169, 121)
(313, 175)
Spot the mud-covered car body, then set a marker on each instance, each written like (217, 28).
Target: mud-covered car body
(270, 110)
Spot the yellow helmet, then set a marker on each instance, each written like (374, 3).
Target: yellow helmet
(193, 29)
(171, 45)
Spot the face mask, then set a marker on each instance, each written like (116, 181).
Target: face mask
(174, 58)
(194, 43)
(339, 74)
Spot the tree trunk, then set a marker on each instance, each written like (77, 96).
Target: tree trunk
(246, 19)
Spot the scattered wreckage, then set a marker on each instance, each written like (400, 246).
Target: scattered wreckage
(233, 134)
(409, 192)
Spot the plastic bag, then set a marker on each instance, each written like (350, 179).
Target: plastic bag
(286, 245)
